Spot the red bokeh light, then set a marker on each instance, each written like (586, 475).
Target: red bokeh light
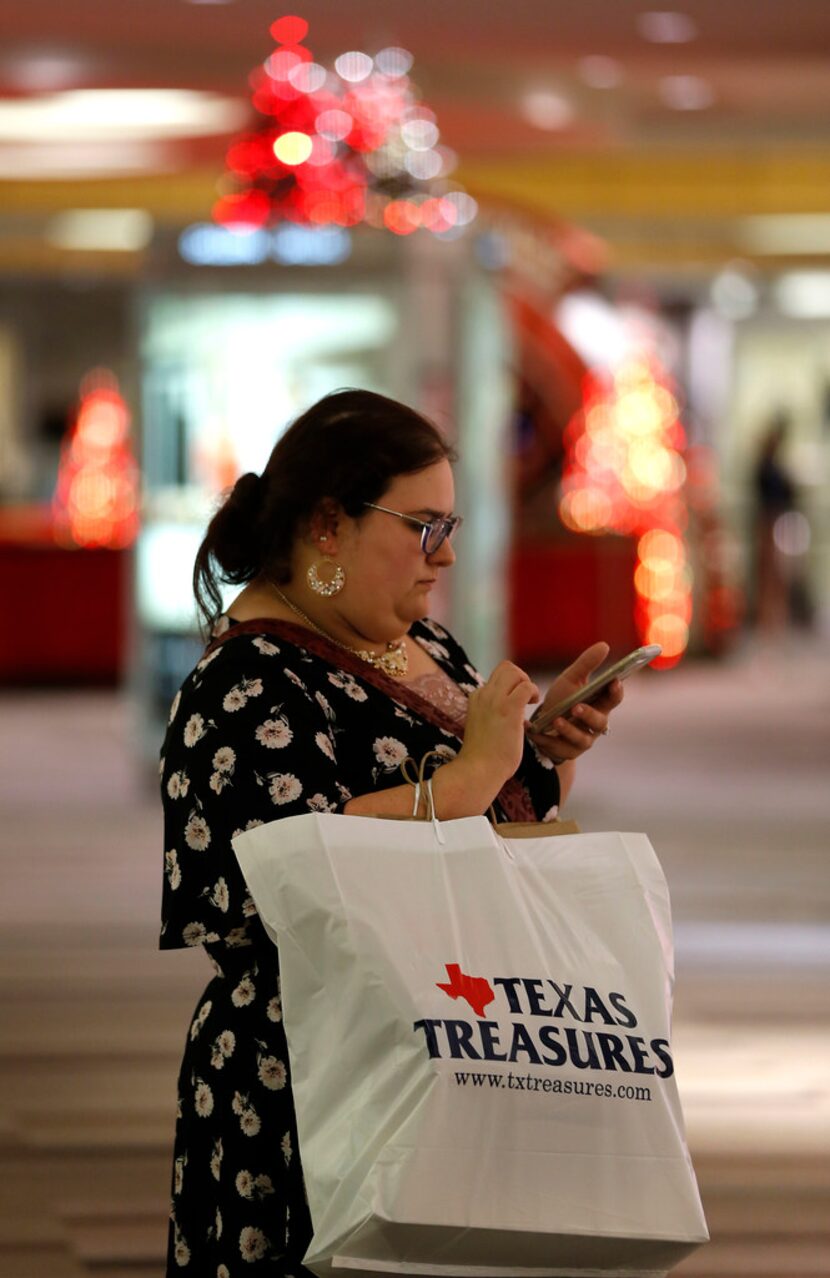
(356, 161)
(438, 215)
(289, 29)
(402, 217)
(282, 63)
(623, 473)
(249, 209)
(96, 496)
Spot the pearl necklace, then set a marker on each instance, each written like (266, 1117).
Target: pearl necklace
(393, 662)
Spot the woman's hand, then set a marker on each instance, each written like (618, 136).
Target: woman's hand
(494, 731)
(568, 738)
(491, 752)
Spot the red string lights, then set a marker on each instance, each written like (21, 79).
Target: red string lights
(96, 496)
(339, 147)
(624, 472)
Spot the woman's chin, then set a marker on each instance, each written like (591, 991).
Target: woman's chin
(416, 607)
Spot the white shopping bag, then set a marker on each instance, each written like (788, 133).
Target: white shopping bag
(479, 1037)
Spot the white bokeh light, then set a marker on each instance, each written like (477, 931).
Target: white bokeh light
(354, 66)
(546, 109)
(394, 62)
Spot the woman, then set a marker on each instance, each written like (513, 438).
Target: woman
(323, 677)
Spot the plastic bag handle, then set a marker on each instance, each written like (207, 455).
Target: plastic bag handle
(415, 778)
(423, 785)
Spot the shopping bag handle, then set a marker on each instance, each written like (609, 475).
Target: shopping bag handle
(423, 785)
(414, 775)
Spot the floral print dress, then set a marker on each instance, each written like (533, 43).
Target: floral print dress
(273, 722)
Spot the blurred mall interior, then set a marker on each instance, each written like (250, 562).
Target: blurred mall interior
(592, 242)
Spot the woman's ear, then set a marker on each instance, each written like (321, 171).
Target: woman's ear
(324, 525)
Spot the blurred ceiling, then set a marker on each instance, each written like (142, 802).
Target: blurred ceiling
(677, 134)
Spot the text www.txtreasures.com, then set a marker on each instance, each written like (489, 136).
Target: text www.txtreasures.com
(562, 1087)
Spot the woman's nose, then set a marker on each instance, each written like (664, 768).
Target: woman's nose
(444, 555)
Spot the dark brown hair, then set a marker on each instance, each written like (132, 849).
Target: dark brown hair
(348, 446)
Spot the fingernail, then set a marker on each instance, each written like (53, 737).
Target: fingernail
(580, 710)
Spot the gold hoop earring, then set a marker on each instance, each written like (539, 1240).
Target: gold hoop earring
(326, 588)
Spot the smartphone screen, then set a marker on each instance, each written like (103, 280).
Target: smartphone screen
(544, 716)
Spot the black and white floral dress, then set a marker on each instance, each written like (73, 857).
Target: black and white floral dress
(273, 722)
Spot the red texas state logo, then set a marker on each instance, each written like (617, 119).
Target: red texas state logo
(475, 990)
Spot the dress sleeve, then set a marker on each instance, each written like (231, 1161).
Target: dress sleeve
(248, 742)
(541, 780)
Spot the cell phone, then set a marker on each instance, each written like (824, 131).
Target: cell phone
(544, 716)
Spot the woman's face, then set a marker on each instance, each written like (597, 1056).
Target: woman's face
(388, 576)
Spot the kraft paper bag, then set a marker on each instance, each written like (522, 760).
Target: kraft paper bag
(479, 1036)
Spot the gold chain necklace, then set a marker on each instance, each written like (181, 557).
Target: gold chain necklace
(393, 662)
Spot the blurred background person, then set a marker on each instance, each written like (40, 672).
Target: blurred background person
(782, 536)
(775, 496)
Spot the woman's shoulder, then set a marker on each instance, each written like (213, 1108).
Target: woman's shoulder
(239, 669)
(237, 650)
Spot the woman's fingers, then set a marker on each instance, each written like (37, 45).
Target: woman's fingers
(610, 698)
(591, 718)
(575, 734)
(526, 693)
(494, 731)
(508, 676)
(580, 670)
(594, 716)
(511, 682)
(568, 738)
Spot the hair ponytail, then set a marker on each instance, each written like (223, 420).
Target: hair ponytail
(231, 549)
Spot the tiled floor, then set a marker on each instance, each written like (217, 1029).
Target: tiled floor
(725, 766)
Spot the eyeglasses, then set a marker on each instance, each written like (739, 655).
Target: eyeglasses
(433, 533)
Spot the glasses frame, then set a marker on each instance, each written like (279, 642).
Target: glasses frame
(446, 525)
